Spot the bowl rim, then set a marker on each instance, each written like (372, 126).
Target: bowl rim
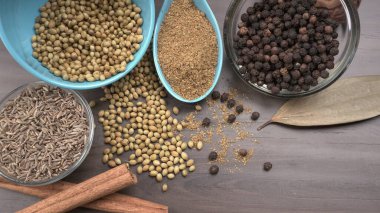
(82, 85)
(91, 131)
(350, 49)
(218, 69)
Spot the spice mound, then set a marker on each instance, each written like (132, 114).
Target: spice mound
(87, 40)
(187, 50)
(43, 132)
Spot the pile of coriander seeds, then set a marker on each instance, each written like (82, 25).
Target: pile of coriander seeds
(87, 40)
(138, 120)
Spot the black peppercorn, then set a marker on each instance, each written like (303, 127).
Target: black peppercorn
(330, 65)
(212, 156)
(295, 74)
(206, 122)
(275, 90)
(224, 97)
(274, 59)
(244, 17)
(334, 51)
(231, 118)
(324, 74)
(215, 95)
(267, 166)
(231, 103)
(288, 58)
(214, 169)
(239, 109)
(255, 116)
(243, 152)
(329, 29)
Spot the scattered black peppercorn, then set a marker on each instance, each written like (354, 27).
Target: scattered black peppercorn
(294, 35)
(231, 103)
(206, 122)
(243, 152)
(239, 109)
(267, 166)
(224, 97)
(255, 116)
(212, 156)
(215, 95)
(231, 118)
(214, 169)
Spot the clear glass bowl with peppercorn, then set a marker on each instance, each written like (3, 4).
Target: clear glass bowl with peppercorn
(291, 48)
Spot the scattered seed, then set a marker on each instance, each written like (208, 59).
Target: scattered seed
(214, 169)
(165, 187)
(215, 95)
(117, 161)
(231, 118)
(239, 109)
(231, 103)
(199, 145)
(267, 166)
(198, 107)
(159, 177)
(224, 97)
(175, 110)
(184, 173)
(105, 158)
(111, 163)
(171, 176)
(192, 168)
(212, 156)
(255, 116)
(190, 163)
(243, 152)
(206, 122)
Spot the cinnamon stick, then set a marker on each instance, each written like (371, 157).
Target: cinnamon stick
(117, 203)
(92, 189)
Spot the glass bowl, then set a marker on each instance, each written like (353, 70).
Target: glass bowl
(348, 31)
(87, 147)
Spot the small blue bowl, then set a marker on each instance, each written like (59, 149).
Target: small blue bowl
(16, 31)
(205, 8)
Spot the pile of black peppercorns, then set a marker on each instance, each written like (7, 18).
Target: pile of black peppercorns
(286, 44)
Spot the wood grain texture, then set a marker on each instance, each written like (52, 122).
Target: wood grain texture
(335, 169)
(111, 203)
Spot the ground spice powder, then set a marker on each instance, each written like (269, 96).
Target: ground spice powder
(187, 50)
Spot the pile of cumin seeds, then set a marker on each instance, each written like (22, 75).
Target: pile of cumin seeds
(187, 50)
(43, 131)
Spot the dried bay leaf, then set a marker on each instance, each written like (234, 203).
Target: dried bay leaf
(348, 100)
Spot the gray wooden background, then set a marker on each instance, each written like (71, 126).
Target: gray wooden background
(334, 169)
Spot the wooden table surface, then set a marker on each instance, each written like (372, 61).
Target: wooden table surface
(334, 169)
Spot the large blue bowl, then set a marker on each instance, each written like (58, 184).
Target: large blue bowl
(16, 31)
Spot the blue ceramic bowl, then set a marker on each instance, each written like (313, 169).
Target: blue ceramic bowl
(16, 31)
(204, 7)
